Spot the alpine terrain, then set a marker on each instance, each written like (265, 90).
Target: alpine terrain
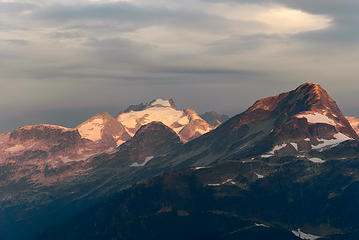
(286, 168)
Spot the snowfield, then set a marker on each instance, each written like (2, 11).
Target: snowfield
(316, 117)
(167, 116)
(92, 130)
(305, 236)
(147, 159)
(316, 160)
(338, 138)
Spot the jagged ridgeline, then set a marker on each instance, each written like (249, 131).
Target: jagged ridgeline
(286, 168)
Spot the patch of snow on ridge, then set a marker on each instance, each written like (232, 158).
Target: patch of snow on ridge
(219, 184)
(161, 102)
(49, 126)
(295, 145)
(120, 142)
(316, 117)
(198, 168)
(259, 176)
(147, 159)
(261, 225)
(316, 160)
(338, 138)
(92, 130)
(305, 236)
(277, 148)
(166, 115)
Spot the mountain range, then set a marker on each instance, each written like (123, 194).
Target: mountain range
(286, 168)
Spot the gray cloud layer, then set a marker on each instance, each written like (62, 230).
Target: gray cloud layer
(62, 61)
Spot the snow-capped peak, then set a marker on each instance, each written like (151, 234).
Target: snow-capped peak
(176, 119)
(92, 129)
(103, 126)
(186, 123)
(161, 102)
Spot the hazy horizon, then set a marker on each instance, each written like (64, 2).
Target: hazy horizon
(64, 61)
(73, 117)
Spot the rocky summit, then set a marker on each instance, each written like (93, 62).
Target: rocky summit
(286, 168)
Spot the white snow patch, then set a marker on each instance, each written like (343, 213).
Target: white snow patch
(259, 176)
(316, 160)
(198, 168)
(214, 184)
(16, 148)
(147, 159)
(315, 117)
(119, 142)
(277, 147)
(161, 102)
(338, 138)
(261, 225)
(48, 125)
(266, 155)
(222, 183)
(295, 145)
(92, 130)
(305, 236)
(184, 120)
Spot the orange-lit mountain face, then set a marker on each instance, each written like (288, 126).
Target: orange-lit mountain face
(104, 154)
(291, 123)
(45, 154)
(294, 123)
(286, 168)
(103, 127)
(309, 102)
(354, 122)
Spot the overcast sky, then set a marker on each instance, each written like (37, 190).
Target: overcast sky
(62, 61)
